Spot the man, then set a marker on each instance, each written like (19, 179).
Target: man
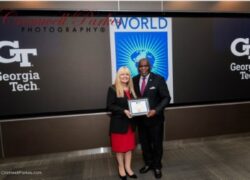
(151, 127)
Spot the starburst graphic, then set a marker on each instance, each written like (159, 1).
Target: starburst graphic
(133, 46)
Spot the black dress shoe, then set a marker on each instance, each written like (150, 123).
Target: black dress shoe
(123, 177)
(145, 169)
(157, 173)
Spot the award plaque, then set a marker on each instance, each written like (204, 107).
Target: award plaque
(138, 107)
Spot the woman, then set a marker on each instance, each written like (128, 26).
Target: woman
(122, 126)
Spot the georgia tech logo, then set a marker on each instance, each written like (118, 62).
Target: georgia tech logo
(18, 55)
(241, 47)
(245, 47)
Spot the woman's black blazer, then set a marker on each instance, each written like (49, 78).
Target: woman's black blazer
(119, 122)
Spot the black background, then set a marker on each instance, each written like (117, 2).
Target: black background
(75, 67)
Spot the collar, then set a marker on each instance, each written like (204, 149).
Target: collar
(146, 77)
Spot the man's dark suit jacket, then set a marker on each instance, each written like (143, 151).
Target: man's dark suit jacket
(157, 93)
(119, 122)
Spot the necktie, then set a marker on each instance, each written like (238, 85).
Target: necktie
(143, 85)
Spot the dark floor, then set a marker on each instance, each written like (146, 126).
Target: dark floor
(216, 158)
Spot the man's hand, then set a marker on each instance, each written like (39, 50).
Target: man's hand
(128, 114)
(151, 113)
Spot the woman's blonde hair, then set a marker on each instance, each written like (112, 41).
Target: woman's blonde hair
(118, 84)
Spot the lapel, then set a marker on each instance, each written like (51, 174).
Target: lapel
(149, 84)
(137, 85)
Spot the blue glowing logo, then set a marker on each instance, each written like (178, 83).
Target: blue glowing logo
(133, 46)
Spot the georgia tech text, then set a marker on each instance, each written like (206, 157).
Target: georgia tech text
(21, 81)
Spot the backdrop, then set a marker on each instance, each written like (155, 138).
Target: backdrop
(60, 62)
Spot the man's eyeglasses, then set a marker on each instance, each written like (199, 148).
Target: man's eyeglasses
(143, 66)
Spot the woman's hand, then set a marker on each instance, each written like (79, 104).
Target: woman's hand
(128, 114)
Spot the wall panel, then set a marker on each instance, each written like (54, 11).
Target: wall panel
(59, 134)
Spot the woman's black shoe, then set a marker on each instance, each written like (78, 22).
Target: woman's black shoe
(123, 177)
(134, 176)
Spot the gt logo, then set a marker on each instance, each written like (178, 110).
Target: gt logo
(18, 55)
(245, 47)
